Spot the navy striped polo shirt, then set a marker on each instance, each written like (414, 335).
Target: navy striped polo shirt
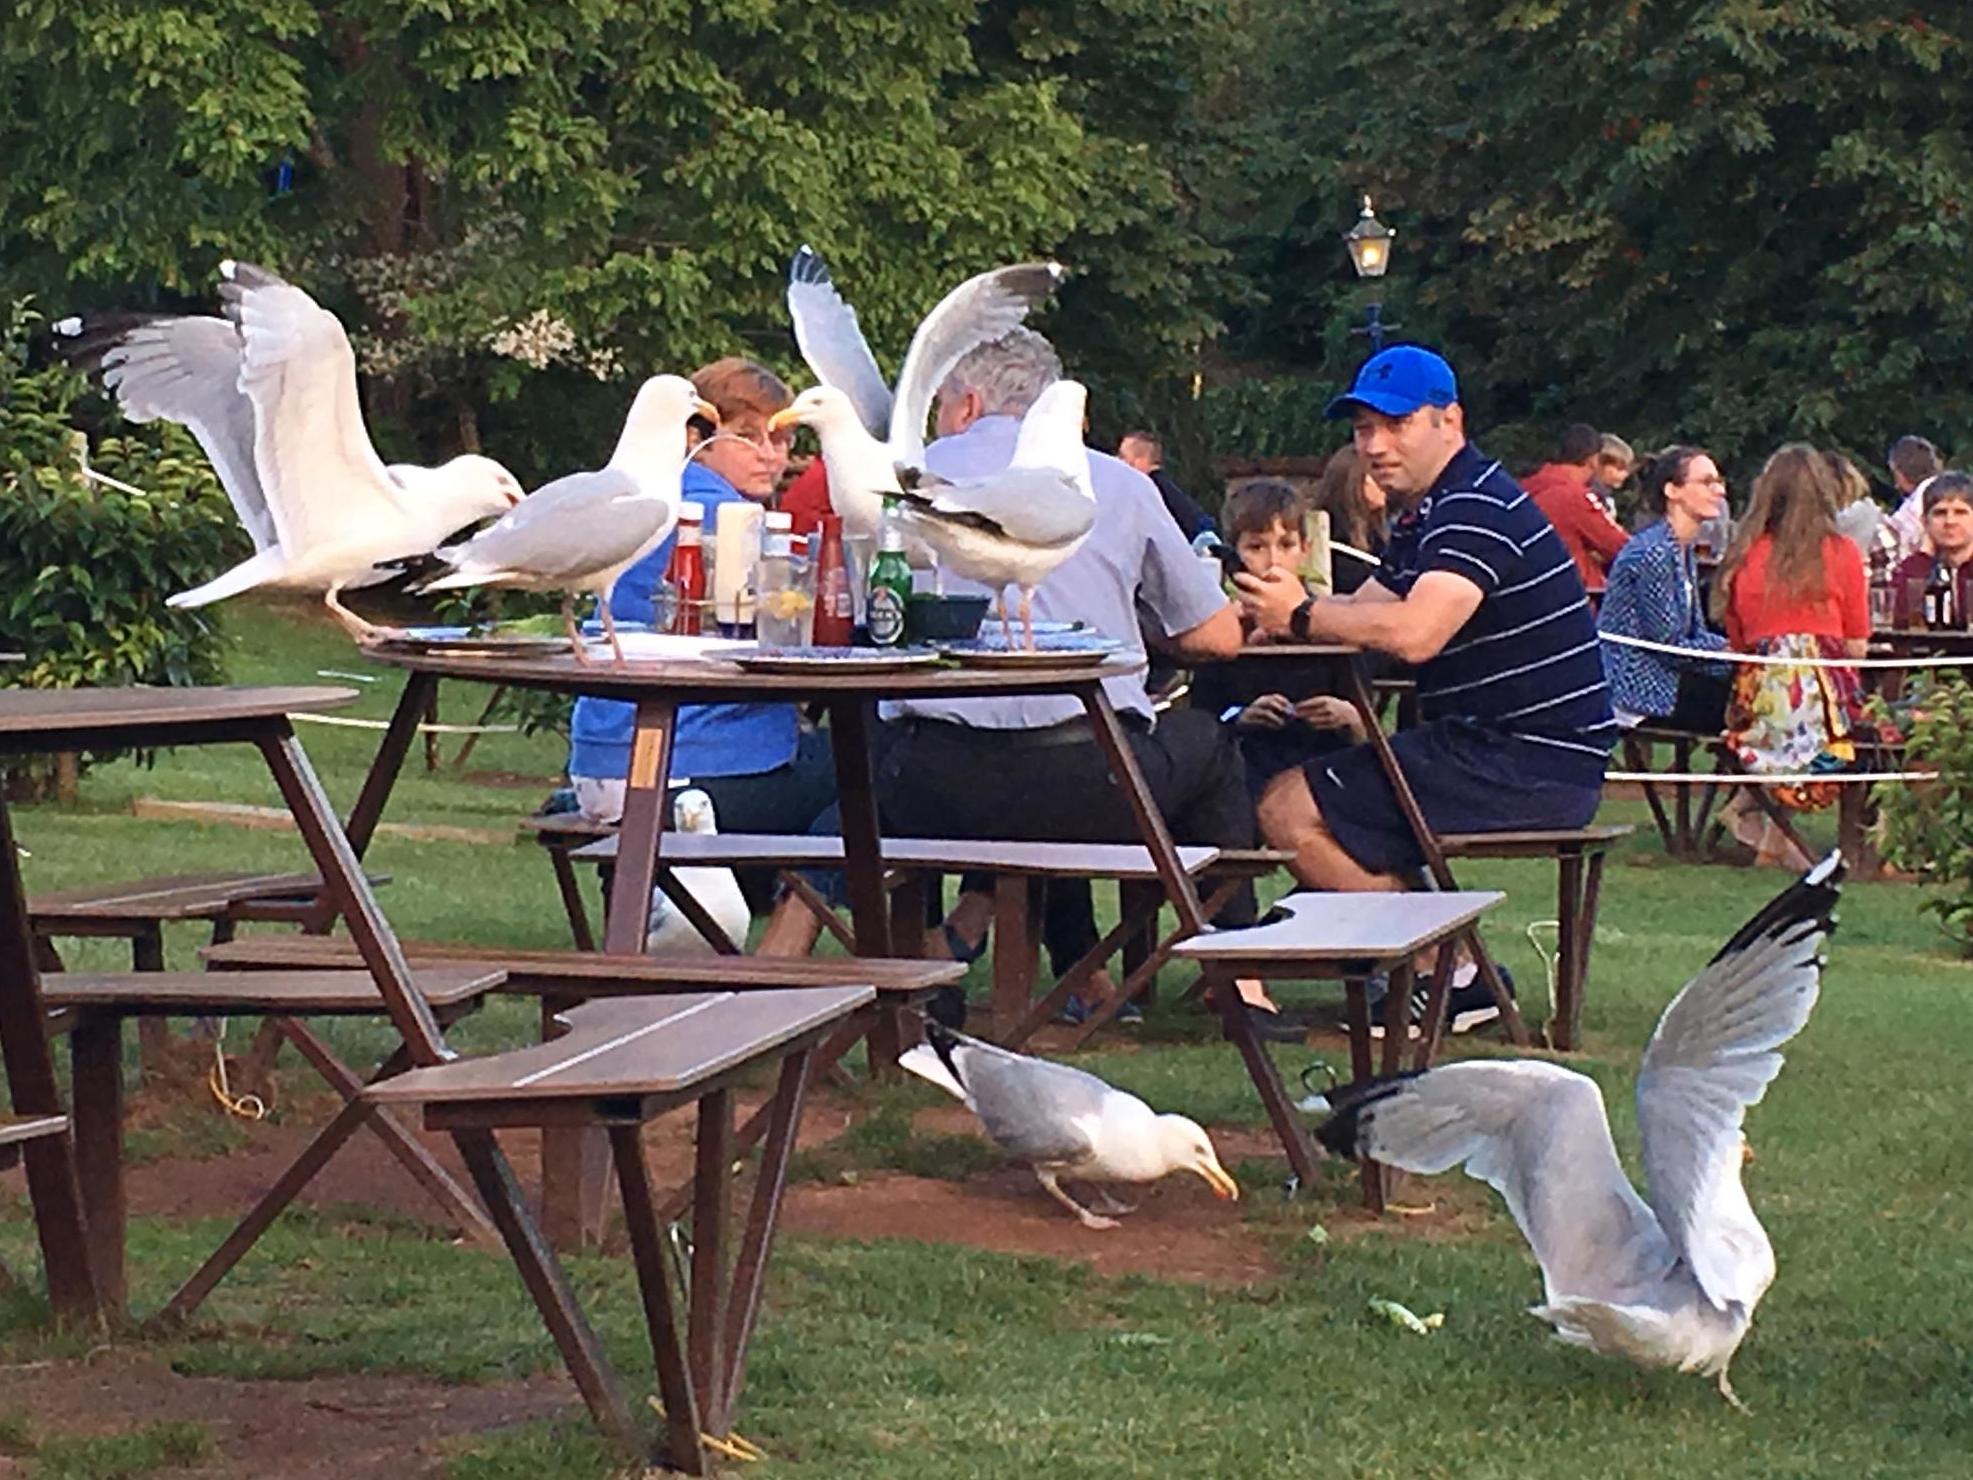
(1526, 662)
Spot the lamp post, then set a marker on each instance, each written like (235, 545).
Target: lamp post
(1369, 244)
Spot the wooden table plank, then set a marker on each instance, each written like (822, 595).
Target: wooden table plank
(1351, 927)
(280, 993)
(1039, 860)
(37, 713)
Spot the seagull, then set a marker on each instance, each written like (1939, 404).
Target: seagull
(715, 889)
(1013, 527)
(1671, 1282)
(862, 470)
(270, 393)
(580, 533)
(1063, 1122)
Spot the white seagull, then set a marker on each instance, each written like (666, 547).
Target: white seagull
(1672, 1282)
(716, 890)
(1063, 1122)
(270, 393)
(863, 469)
(580, 533)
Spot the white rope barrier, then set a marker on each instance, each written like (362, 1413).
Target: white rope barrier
(1707, 655)
(1799, 778)
(377, 724)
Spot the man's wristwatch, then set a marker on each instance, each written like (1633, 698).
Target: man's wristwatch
(1298, 619)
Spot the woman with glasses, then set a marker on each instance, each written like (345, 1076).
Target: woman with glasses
(763, 771)
(1654, 594)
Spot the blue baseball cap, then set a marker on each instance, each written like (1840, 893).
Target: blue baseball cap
(1396, 382)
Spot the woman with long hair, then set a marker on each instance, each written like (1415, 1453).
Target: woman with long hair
(1358, 517)
(1791, 586)
(1654, 595)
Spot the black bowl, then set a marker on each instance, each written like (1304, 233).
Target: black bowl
(930, 618)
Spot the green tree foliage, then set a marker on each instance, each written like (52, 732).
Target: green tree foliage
(1730, 221)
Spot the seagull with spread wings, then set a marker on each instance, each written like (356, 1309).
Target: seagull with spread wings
(269, 391)
(889, 425)
(1668, 1282)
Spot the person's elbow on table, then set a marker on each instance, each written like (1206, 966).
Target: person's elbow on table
(1217, 638)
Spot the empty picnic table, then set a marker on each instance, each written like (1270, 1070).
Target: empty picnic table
(657, 687)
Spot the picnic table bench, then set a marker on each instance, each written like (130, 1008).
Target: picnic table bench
(1326, 937)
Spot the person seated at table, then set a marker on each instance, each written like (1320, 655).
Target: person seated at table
(1283, 712)
(1028, 768)
(1654, 595)
(763, 770)
(1561, 489)
(1792, 587)
(1615, 462)
(1478, 591)
(1949, 531)
(1359, 518)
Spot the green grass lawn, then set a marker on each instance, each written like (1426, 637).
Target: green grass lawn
(894, 1359)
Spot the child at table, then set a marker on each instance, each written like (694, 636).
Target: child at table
(1949, 532)
(1284, 711)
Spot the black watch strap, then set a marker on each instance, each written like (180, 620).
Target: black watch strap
(1298, 619)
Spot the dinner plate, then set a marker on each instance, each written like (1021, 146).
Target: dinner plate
(1052, 650)
(848, 660)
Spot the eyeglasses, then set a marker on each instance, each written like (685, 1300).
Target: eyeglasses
(760, 439)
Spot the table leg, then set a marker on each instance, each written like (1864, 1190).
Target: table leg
(712, 1200)
(641, 832)
(1239, 1027)
(1179, 888)
(1013, 953)
(1568, 950)
(856, 793)
(96, 1062)
(52, 1186)
(1356, 997)
(1397, 1017)
(420, 689)
(683, 1449)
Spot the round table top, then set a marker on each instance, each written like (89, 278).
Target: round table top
(27, 712)
(715, 680)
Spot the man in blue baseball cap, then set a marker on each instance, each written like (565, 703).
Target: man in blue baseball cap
(1478, 592)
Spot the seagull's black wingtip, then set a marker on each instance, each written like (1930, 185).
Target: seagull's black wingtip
(1341, 1134)
(807, 266)
(1809, 901)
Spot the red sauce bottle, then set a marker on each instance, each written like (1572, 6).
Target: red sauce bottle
(687, 572)
(835, 616)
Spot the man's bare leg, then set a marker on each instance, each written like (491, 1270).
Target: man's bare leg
(1291, 820)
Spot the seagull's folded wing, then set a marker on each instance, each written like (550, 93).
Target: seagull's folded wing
(564, 530)
(1713, 1054)
(322, 477)
(1031, 506)
(1035, 1110)
(1537, 1134)
(832, 342)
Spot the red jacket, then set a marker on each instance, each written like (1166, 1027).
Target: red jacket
(1588, 533)
(807, 498)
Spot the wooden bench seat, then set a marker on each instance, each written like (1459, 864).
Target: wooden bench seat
(942, 855)
(619, 1065)
(1347, 936)
(305, 993)
(561, 833)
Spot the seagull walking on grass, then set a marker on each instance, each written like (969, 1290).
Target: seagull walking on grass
(269, 391)
(1668, 1282)
(1063, 1122)
(580, 533)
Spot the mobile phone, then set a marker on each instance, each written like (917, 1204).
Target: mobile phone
(1229, 559)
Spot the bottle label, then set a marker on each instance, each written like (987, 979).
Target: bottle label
(886, 616)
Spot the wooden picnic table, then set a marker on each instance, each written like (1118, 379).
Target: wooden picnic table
(574, 1174)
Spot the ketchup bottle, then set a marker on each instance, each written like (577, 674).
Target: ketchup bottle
(834, 614)
(687, 572)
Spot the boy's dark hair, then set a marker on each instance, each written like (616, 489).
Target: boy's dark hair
(1948, 485)
(1253, 508)
(1914, 457)
(1580, 443)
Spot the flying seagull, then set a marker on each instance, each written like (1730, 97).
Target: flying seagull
(1669, 1282)
(269, 391)
(1063, 1122)
(862, 470)
(580, 533)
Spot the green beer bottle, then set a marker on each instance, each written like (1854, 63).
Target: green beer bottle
(890, 585)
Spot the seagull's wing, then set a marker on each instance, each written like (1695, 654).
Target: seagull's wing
(321, 475)
(1713, 1054)
(563, 531)
(1537, 1134)
(832, 343)
(1034, 1110)
(1030, 505)
(979, 310)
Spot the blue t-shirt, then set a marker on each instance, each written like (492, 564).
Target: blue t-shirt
(712, 739)
(1525, 664)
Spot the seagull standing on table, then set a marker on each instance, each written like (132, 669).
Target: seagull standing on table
(270, 393)
(716, 890)
(883, 431)
(580, 533)
(1672, 1282)
(1063, 1122)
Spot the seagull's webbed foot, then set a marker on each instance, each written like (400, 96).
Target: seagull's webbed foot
(364, 632)
(1733, 1398)
(1101, 1199)
(1054, 1189)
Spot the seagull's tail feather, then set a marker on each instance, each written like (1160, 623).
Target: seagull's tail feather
(463, 576)
(267, 566)
(1341, 1133)
(925, 1062)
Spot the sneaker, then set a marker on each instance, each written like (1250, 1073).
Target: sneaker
(1470, 1005)
(1075, 1012)
(1130, 1015)
(1380, 987)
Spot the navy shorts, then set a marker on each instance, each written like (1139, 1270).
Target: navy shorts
(1467, 779)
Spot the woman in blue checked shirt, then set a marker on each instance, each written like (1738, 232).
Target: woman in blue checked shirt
(1654, 594)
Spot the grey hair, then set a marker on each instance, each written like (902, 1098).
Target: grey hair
(1008, 374)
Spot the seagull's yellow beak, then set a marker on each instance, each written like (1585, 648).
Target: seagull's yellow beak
(1223, 1186)
(706, 409)
(786, 417)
